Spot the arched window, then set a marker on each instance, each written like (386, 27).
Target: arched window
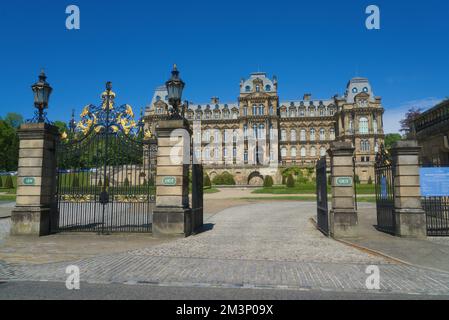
(303, 135)
(261, 134)
(247, 88)
(312, 112)
(293, 135)
(207, 153)
(332, 133)
(158, 98)
(283, 135)
(271, 110)
(363, 125)
(303, 152)
(267, 87)
(207, 135)
(217, 135)
(312, 134)
(284, 152)
(322, 134)
(322, 112)
(293, 152)
(313, 152)
(261, 110)
(323, 151)
(254, 110)
(365, 146)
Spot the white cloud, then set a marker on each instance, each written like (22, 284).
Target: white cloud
(392, 116)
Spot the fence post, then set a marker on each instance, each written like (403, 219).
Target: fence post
(173, 216)
(343, 216)
(410, 217)
(35, 213)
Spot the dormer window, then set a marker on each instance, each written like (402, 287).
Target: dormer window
(247, 88)
(257, 88)
(365, 89)
(354, 90)
(267, 87)
(158, 98)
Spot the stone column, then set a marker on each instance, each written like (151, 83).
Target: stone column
(35, 211)
(172, 216)
(409, 215)
(343, 216)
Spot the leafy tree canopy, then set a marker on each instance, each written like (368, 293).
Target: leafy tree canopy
(391, 138)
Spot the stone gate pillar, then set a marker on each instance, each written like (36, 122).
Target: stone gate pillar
(343, 216)
(35, 212)
(173, 216)
(409, 215)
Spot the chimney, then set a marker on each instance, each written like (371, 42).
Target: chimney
(307, 96)
(215, 100)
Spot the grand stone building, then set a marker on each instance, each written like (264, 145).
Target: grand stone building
(261, 134)
(432, 132)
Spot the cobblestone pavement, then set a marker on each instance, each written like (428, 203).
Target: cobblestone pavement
(270, 245)
(4, 229)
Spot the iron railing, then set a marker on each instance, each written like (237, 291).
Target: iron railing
(437, 211)
(322, 199)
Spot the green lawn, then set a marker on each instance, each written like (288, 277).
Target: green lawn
(8, 195)
(310, 189)
(211, 190)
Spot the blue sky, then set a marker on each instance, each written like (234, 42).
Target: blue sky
(312, 46)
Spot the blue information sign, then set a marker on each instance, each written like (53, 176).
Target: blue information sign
(434, 182)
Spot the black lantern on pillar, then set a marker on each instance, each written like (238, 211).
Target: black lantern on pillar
(175, 86)
(42, 92)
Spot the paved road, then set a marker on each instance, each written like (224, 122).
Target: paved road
(58, 291)
(264, 245)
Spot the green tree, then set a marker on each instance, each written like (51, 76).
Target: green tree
(390, 139)
(224, 179)
(76, 182)
(15, 120)
(357, 179)
(290, 182)
(1, 182)
(62, 126)
(268, 182)
(206, 181)
(9, 184)
(9, 146)
(407, 123)
(126, 183)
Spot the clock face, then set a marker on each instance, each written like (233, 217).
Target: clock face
(354, 90)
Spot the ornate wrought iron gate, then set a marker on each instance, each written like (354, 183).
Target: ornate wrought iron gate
(385, 192)
(106, 175)
(322, 201)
